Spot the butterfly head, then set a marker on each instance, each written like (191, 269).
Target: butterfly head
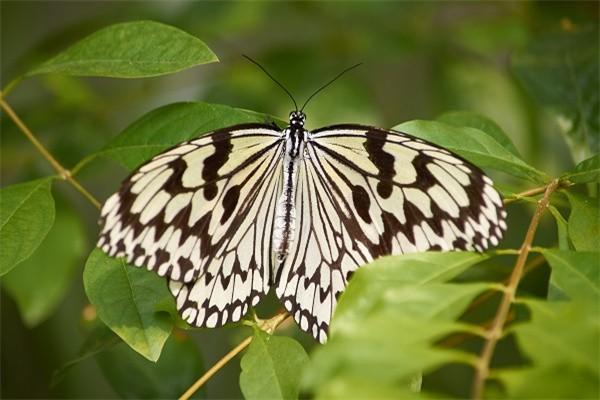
(297, 119)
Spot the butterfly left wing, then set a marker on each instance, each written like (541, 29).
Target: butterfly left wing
(200, 214)
(365, 192)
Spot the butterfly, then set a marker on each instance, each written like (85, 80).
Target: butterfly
(245, 209)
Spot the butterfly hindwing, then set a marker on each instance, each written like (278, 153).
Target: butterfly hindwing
(366, 192)
(198, 214)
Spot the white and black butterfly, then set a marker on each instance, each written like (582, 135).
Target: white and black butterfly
(241, 210)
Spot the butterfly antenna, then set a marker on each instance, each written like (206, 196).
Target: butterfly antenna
(329, 83)
(273, 79)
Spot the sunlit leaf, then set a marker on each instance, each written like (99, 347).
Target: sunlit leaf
(584, 222)
(271, 367)
(577, 274)
(170, 125)
(134, 377)
(474, 120)
(562, 342)
(391, 314)
(26, 216)
(473, 144)
(130, 50)
(41, 282)
(125, 298)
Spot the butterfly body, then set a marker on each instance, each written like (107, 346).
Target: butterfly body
(231, 214)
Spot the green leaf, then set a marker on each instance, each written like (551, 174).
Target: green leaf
(357, 388)
(390, 316)
(26, 216)
(134, 377)
(562, 228)
(474, 120)
(584, 222)
(125, 298)
(560, 70)
(577, 274)
(130, 50)
(271, 367)
(172, 124)
(473, 144)
(562, 343)
(366, 285)
(586, 171)
(561, 381)
(41, 282)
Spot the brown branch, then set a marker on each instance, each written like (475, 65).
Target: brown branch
(62, 171)
(268, 325)
(482, 368)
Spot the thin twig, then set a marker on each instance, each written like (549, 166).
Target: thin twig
(62, 171)
(534, 192)
(269, 325)
(482, 368)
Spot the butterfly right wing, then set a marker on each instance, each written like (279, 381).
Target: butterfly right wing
(197, 214)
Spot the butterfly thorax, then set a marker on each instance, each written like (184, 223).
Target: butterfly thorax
(285, 216)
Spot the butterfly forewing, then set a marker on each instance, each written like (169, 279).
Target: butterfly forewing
(366, 192)
(199, 214)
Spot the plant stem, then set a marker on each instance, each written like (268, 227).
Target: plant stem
(482, 368)
(62, 171)
(269, 325)
(534, 192)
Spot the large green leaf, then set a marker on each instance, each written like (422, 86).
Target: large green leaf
(474, 120)
(366, 285)
(134, 377)
(586, 171)
(126, 299)
(172, 124)
(473, 144)
(41, 282)
(560, 70)
(271, 367)
(562, 343)
(26, 216)
(576, 274)
(130, 50)
(584, 222)
(389, 318)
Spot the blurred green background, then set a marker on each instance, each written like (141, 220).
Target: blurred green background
(420, 59)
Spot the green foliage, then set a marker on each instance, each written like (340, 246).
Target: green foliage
(474, 120)
(172, 124)
(561, 341)
(576, 274)
(271, 367)
(53, 271)
(584, 222)
(407, 294)
(125, 298)
(130, 50)
(26, 216)
(177, 368)
(561, 71)
(475, 145)
(406, 326)
(586, 171)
